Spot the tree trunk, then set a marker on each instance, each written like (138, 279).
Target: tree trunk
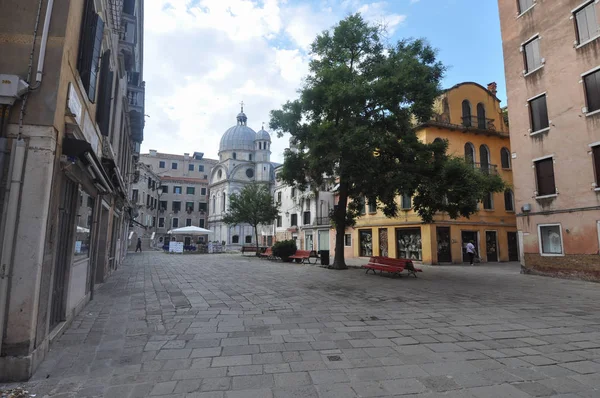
(340, 227)
(256, 237)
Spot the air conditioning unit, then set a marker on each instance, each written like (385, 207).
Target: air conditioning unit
(12, 88)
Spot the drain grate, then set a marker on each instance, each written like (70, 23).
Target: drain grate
(334, 358)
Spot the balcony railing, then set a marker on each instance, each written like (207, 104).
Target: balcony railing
(322, 221)
(135, 97)
(486, 168)
(127, 33)
(478, 122)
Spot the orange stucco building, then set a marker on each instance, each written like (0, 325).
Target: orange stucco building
(469, 116)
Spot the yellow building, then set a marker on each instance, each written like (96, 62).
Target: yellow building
(470, 118)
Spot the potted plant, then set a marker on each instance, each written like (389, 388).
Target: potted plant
(284, 249)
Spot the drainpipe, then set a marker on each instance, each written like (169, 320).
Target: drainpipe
(9, 239)
(43, 44)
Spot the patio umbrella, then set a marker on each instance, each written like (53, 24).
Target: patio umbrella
(190, 231)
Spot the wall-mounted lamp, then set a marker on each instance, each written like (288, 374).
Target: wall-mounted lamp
(287, 214)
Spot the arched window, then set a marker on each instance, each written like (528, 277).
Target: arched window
(219, 174)
(466, 113)
(214, 206)
(234, 156)
(250, 157)
(223, 204)
(235, 239)
(259, 145)
(481, 123)
(505, 158)
(509, 200)
(438, 139)
(484, 158)
(469, 153)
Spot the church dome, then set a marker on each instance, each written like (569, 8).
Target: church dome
(263, 135)
(238, 137)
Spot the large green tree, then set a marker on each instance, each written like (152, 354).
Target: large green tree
(354, 121)
(254, 206)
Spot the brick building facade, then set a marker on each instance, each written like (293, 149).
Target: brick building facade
(552, 66)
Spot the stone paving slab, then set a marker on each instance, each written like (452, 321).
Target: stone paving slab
(227, 326)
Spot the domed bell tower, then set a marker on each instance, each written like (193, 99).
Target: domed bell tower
(262, 146)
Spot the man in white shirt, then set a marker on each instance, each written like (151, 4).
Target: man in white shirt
(471, 251)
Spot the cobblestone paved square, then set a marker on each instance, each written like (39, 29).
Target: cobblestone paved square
(227, 326)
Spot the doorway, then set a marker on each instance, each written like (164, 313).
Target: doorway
(444, 252)
(323, 240)
(513, 246)
(66, 222)
(491, 246)
(466, 237)
(187, 241)
(103, 242)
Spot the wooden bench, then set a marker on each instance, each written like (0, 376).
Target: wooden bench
(250, 249)
(268, 254)
(393, 266)
(305, 255)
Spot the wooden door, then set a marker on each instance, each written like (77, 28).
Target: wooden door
(513, 246)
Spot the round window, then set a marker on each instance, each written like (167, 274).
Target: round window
(219, 174)
(250, 173)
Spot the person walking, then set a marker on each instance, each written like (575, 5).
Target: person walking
(139, 245)
(471, 252)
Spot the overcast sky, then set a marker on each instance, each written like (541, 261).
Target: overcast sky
(203, 57)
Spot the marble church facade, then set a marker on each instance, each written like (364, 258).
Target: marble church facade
(244, 158)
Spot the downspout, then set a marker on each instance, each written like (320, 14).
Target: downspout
(14, 191)
(43, 45)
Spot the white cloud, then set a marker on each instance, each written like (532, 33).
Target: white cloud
(202, 57)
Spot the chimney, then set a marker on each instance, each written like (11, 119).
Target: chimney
(493, 88)
(152, 152)
(186, 156)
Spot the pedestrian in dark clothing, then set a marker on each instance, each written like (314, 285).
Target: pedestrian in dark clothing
(139, 245)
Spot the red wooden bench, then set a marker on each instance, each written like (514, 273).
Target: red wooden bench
(305, 255)
(391, 265)
(268, 254)
(250, 249)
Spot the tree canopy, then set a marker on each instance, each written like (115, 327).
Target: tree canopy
(354, 120)
(253, 205)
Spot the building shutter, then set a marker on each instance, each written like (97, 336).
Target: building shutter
(466, 113)
(596, 156)
(481, 122)
(592, 91)
(92, 30)
(545, 177)
(587, 23)
(532, 54)
(88, 27)
(505, 158)
(508, 200)
(539, 114)
(129, 6)
(104, 96)
(524, 5)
